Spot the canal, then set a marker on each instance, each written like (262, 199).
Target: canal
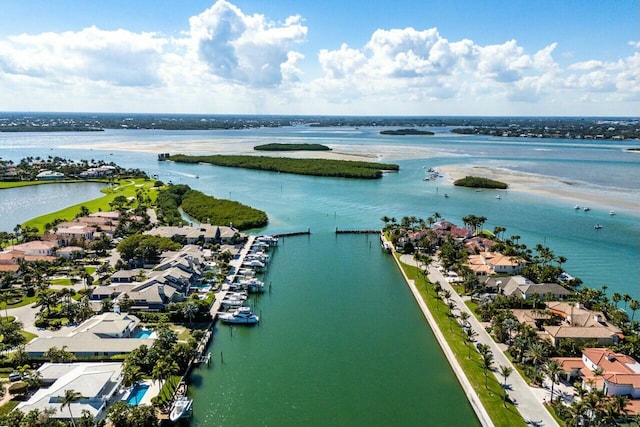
(341, 342)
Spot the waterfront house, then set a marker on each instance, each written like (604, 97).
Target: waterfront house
(489, 263)
(69, 252)
(47, 175)
(36, 247)
(521, 287)
(204, 233)
(581, 324)
(76, 232)
(107, 334)
(620, 374)
(96, 383)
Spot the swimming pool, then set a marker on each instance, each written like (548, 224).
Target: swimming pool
(136, 394)
(143, 333)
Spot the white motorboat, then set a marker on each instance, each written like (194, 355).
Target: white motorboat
(253, 285)
(597, 226)
(612, 212)
(587, 208)
(576, 207)
(180, 408)
(241, 315)
(498, 197)
(254, 263)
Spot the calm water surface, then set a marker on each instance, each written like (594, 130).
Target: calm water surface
(341, 342)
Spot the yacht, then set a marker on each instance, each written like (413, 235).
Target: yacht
(241, 315)
(180, 408)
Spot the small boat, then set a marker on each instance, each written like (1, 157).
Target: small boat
(587, 208)
(197, 176)
(180, 408)
(498, 197)
(446, 196)
(597, 226)
(576, 207)
(612, 212)
(241, 315)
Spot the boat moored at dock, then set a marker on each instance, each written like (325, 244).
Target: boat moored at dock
(242, 315)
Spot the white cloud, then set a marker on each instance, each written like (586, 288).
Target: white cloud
(246, 49)
(229, 61)
(120, 57)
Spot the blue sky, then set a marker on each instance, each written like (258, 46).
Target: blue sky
(331, 57)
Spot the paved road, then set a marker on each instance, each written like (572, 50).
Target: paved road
(528, 403)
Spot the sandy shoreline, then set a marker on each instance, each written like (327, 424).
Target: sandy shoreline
(576, 193)
(572, 192)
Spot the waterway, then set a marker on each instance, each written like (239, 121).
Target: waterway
(341, 342)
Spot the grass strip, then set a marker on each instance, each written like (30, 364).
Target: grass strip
(492, 397)
(126, 188)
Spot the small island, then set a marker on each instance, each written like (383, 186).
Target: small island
(291, 147)
(313, 167)
(406, 132)
(478, 182)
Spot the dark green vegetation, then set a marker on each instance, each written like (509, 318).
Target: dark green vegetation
(291, 147)
(478, 182)
(222, 212)
(206, 208)
(406, 132)
(315, 167)
(537, 127)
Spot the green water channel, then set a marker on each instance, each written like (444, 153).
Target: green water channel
(341, 342)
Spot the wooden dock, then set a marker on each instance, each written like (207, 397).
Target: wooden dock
(338, 231)
(293, 233)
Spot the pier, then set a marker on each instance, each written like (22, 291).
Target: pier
(338, 231)
(293, 233)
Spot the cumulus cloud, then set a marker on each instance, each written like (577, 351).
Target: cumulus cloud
(119, 57)
(247, 48)
(226, 60)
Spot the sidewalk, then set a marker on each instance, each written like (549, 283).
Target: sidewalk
(528, 403)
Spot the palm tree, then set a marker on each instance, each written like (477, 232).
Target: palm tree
(464, 317)
(190, 310)
(487, 361)
(616, 298)
(626, 298)
(505, 371)
(469, 335)
(634, 305)
(70, 396)
(536, 353)
(552, 369)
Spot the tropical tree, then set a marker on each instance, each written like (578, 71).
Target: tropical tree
(163, 370)
(552, 369)
(634, 305)
(469, 336)
(70, 396)
(487, 361)
(505, 371)
(464, 318)
(189, 310)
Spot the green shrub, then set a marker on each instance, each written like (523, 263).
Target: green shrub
(479, 182)
(18, 388)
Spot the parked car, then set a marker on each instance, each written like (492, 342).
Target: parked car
(15, 376)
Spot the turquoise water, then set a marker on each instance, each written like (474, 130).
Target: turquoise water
(137, 394)
(341, 342)
(143, 333)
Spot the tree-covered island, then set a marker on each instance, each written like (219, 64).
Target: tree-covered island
(408, 131)
(314, 167)
(291, 147)
(479, 182)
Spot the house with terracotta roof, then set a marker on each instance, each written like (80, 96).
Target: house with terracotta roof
(620, 373)
(36, 247)
(581, 324)
(488, 263)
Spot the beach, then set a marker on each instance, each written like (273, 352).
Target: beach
(576, 192)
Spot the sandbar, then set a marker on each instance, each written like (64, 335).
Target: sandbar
(578, 193)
